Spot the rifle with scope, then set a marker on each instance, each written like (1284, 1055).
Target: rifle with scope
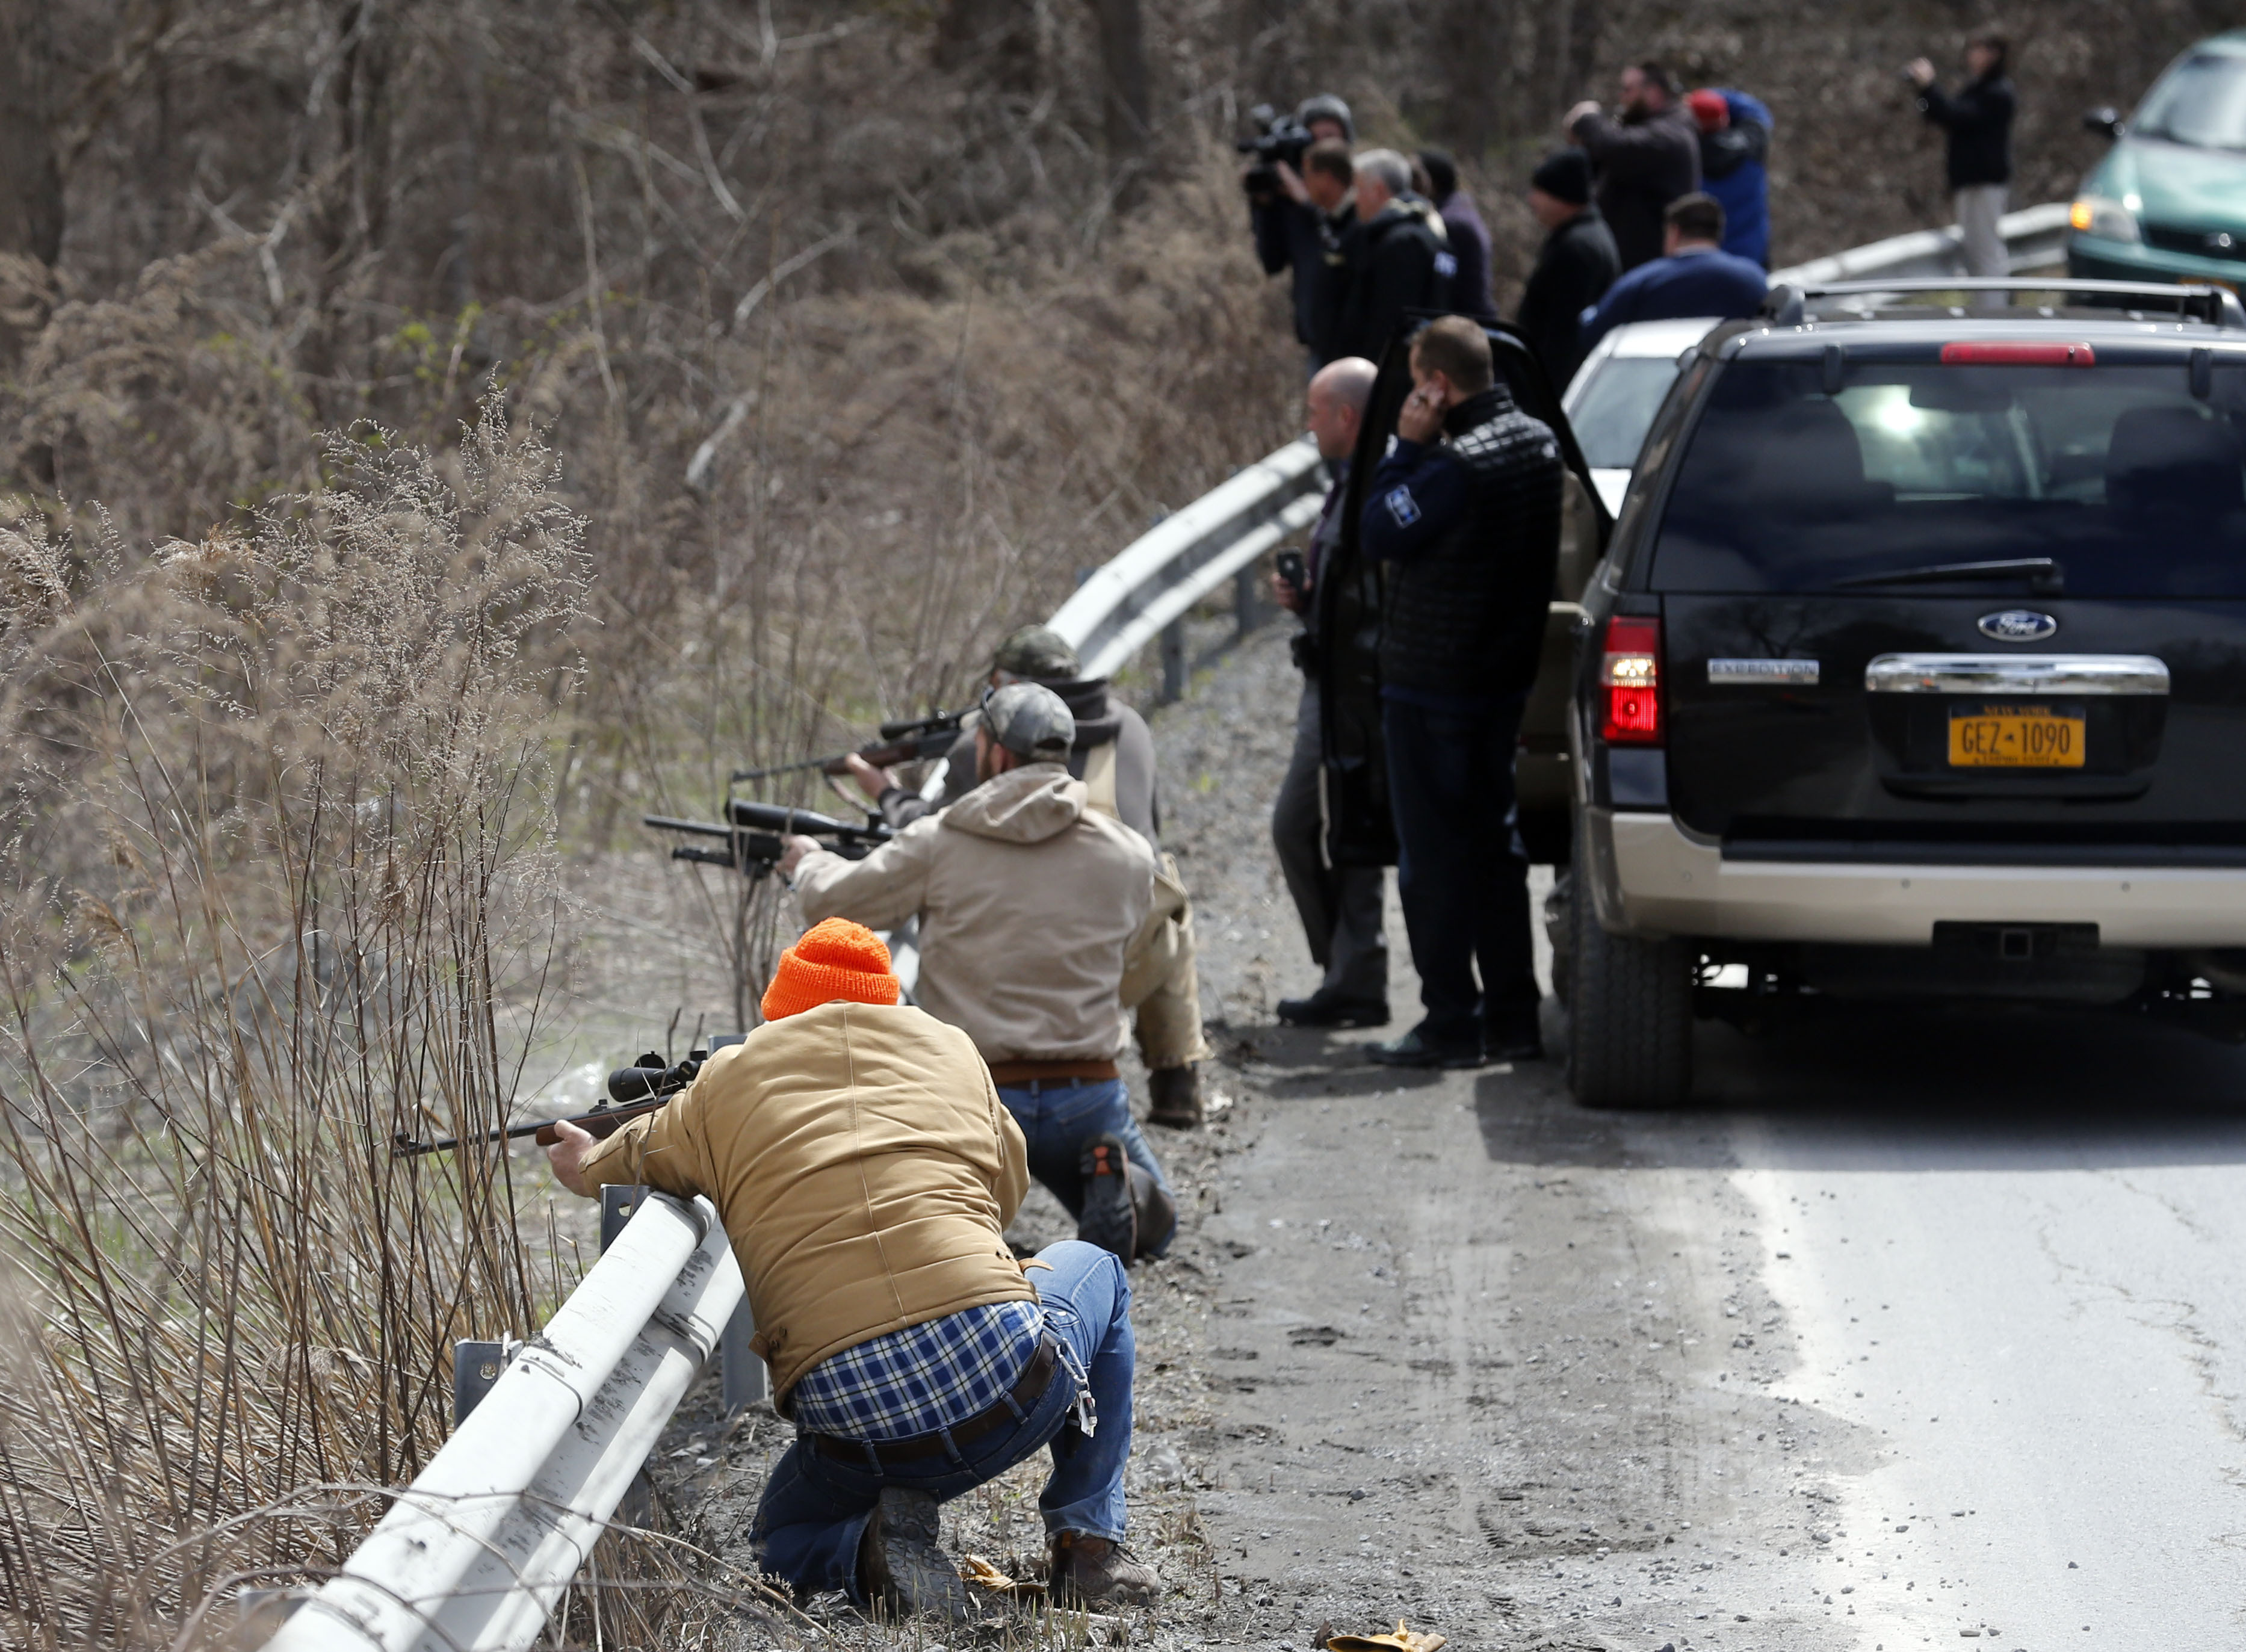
(633, 1091)
(908, 740)
(754, 833)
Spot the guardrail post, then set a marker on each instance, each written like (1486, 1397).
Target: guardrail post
(476, 1366)
(1174, 661)
(742, 1374)
(617, 1205)
(1248, 610)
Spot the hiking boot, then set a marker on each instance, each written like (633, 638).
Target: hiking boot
(1174, 1094)
(1415, 1048)
(1093, 1571)
(899, 1562)
(1109, 1220)
(1323, 1008)
(1153, 1211)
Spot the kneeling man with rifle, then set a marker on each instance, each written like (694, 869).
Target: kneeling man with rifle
(866, 1172)
(1028, 898)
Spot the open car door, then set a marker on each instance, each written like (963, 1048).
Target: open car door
(1346, 621)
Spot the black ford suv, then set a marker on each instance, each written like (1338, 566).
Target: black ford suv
(1916, 667)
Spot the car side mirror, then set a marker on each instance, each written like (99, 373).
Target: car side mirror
(2107, 122)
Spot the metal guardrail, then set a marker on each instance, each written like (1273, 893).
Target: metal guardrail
(475, 1554)
(2034, 238)
(477, 1551)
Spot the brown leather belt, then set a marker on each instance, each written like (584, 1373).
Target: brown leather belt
(1022, 1072)
(1028, 1389)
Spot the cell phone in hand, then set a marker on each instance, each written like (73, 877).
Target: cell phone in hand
(1289, 567)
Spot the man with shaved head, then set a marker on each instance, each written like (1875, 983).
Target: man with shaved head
(1340, 906)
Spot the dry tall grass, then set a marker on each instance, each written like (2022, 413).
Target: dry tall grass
(280, 835)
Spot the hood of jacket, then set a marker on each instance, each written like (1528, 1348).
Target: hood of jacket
(1098, 719)
(1407, 210)
(1026, 804)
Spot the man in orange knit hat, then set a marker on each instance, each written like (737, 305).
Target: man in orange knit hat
(1028, 900)
(866, 1171)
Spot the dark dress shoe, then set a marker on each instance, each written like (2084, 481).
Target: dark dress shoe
(1415, 1049)
(1323, 1008)
(1515, 1038)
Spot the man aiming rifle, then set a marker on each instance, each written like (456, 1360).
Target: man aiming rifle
(1112, 752)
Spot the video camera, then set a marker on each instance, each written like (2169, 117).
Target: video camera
(1278, 137)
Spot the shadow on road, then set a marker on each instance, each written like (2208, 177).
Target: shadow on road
(1886, 1089)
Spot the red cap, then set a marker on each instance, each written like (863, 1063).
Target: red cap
(1710, 110)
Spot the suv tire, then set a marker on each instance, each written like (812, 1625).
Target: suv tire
(1630, 1014)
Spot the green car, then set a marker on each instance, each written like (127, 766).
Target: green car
(2168, 202)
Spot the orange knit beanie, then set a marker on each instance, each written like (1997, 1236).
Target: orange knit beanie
(834, 959)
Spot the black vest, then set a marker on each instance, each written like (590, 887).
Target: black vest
(1467, 617)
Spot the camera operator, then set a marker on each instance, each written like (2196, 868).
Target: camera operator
(1298, 206)
(1399, 258)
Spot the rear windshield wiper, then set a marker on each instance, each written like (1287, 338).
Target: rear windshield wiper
(2043, 575)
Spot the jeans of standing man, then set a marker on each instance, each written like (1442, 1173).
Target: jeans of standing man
(1339, 905)
(1058, 1115)
(1461, 868)
(816, 1507)
(1979, 207)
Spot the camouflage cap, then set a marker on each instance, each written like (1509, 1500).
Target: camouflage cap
(1030, 720)
(1038, 653)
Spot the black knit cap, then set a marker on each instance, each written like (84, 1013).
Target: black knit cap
(1326, 106)
(1564, 175)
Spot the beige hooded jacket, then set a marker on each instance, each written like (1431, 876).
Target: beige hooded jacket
(1026, 899)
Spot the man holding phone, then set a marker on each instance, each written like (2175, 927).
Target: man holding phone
(1464, 513)
(1339, 905)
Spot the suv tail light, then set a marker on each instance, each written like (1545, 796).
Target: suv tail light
(1631, 674)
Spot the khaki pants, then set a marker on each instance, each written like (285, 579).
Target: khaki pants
(1159, 980)
(1978, 210)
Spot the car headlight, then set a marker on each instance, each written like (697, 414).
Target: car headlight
(2104, 217)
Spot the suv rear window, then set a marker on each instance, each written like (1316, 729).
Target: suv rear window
(2134, 485)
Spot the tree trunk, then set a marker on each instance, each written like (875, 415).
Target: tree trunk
(31, 180)
(1126, 102)
(996, 41)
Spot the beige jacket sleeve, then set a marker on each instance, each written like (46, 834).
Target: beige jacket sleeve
(664, 1151)
(880, 891)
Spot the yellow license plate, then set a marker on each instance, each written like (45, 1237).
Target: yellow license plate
(2015, 737)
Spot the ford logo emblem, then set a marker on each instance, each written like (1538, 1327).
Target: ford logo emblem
(2019, 625)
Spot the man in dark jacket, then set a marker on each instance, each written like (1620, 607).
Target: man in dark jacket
(1978, 118)
(1340, 906)
(1735, 167)
(1575, 266)
(1696, 276)
(1467, 529)
(1647, 154)
(1469, 237)
(1113, 753)
(1399, 258)
(1300, 229)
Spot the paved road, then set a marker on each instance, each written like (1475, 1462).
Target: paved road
(1912, 1330)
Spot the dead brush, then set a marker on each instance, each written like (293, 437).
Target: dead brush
(279, 849)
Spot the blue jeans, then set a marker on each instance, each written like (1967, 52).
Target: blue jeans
(1058, 1115)
(1461, 872)
(816, 1508)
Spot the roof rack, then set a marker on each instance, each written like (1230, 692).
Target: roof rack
(2193, 300)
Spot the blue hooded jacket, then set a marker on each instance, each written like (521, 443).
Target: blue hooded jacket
(1734, 169)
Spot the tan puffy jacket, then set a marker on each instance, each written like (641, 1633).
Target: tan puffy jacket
(864, 1167)
(1027, 899)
